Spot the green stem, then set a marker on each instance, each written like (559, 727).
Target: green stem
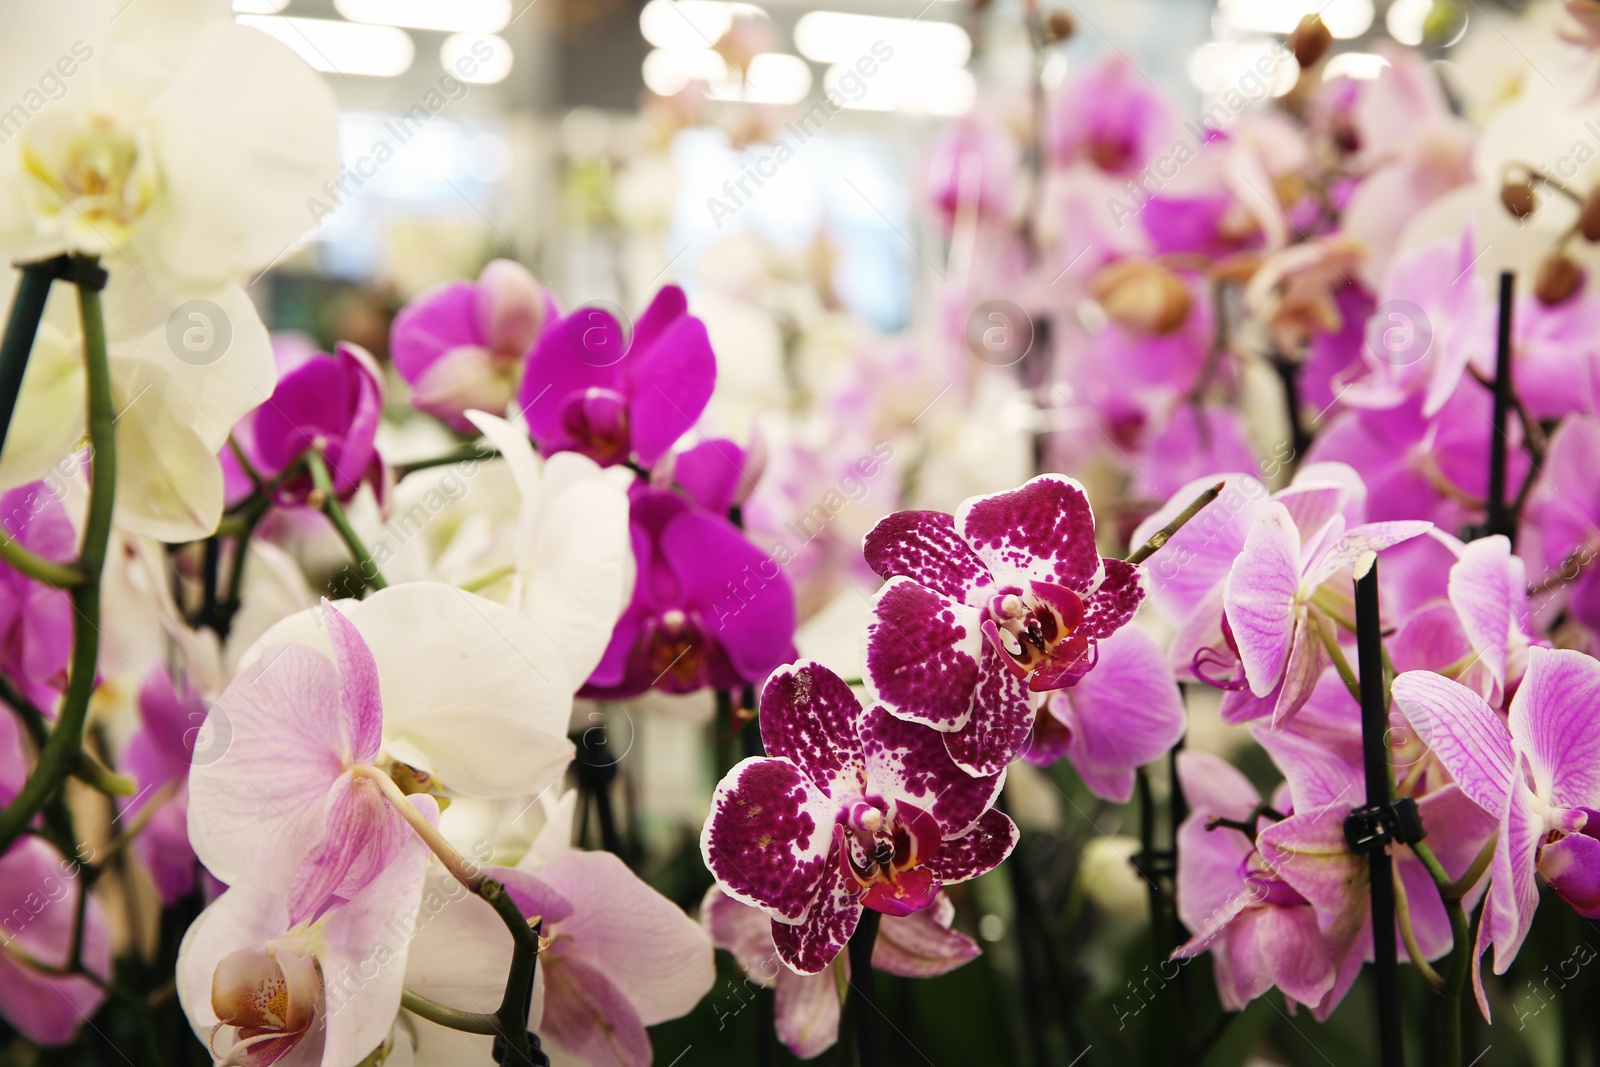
(1163, 535)
(27, 309)
(470, 1022)
(1459, 888)
(329, 504)
(61, 751)
(88, 770)
(1330, 642)
(1461, 952)
(513, 1012)
(60, 575)
(463, 455)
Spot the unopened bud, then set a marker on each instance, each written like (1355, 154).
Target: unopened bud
(1589, 216)
(1559, 277)
(1310, 41)
(1142, 297)
(1059, 26)
(1518, 199)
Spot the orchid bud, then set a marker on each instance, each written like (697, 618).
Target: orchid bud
(1142, 296)
(1558, 278)
(1310, 41)
(1059, 26)
(1589, 216)
(1518, 199)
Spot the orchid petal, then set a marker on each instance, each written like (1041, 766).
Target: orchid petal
(1463, 731)
(1042, 531)
(769, 836)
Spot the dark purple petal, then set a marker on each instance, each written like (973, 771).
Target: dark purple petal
(810, 946)
(1109, 607)
(808, 716)
(1001, 722)
(907, 761)
(924, 546)
(769, 836)
(1044, 530)
(922, 654)
(979, 850)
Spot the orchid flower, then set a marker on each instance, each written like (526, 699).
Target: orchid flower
(158, 756)
(806, 1007)
(983, 609)
(35, 619)
(1121, 715)
(1109, 117)
(1270, 598)
(330, 403)
(428, 688)
(462, 346)
(186, 175)
(1537, 772)
(709, 609)
(585, 392)
(1566, 511)
(852, 808)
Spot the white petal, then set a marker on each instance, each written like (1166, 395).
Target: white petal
(169, 484)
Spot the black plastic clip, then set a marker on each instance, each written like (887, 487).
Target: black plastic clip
(1371, 828)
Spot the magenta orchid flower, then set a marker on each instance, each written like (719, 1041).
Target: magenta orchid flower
(329, 402)
(158, 756)
(39, 896)
(462, 346)
(852, 808)
(1566, 511)
(1270, 598)
(36, 619)
(1109, 117)
(1120, 716)
(583, 392)
(971, 173)
(806, 1007)
(709, 608)
(986, 608)
(1537, 772)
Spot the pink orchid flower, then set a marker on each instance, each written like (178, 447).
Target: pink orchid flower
(982, 610)
(36, 619)
(1536, 771)
(852, 808)
(806, 1006)
(1121, 715)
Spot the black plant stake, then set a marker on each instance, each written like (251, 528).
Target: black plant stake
(862, 1007)
(27, 308)
(1500, 518)
(1369, 829)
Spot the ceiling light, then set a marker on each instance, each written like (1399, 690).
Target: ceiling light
(341, 47)
(836, 37)
(487, 56)
(448, 16)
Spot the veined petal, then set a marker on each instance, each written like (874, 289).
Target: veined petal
(1295, 954)
(924, 546)
(1357, 541)
(362, 710)
(1489, 590)
(809, 717)
(769, 836)
(1259, 597)
(1043, 530)
(922, 654)
(1195, 560)
(1463, 731)
(1513, 891)
(1553, 722)
(361, 836)
(831, 918)
(907, 761)
(1308, 851)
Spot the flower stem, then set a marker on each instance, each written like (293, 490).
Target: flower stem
(329, 504)
(1330, 642)
(469, 1022)
(1461, 953)
(33, 290)
(60, 575)
(461, 869)
(1163, 535)
(862, 1005)
(1408, 934)
(468, 454)
(60, 753)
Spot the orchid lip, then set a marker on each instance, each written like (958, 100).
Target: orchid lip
(1037, 626)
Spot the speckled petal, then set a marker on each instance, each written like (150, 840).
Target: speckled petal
(924, 546)
(922, 651)
(810, 946)
(1002, 720)
(769, 835)
(908, 761)
(979, 850)
(1109, 607)
(808, 716)
(1045, 529)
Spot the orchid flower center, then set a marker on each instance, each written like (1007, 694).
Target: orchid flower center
(1266, 885)
(1035, 632)
(94, 179)
(673, 652)
(884, 853)
(271, 997)
(597, 421)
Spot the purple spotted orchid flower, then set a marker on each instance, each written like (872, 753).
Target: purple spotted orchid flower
(329, 402)
(806, 1006)
(709, 608)
(985, 609)
(587, 390)
(1536, 772)
(462, 346)
(36, 619)
(852, 808)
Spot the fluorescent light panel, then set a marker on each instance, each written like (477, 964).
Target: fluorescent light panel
(341, 47)
(838, 37)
